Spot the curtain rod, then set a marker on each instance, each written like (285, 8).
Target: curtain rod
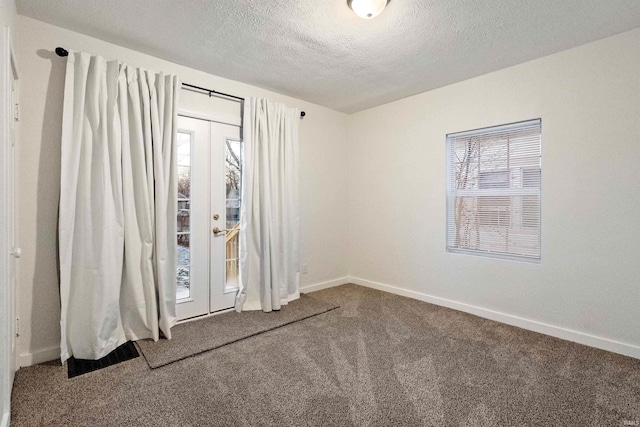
(64, 52)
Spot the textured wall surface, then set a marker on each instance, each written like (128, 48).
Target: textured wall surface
(320, 51)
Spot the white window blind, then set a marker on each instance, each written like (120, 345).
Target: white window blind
(494, 191)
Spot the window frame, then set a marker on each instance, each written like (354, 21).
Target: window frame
(450, 193)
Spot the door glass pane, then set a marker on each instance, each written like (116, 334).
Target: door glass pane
(233, 273)
(183, 285)
(184, 255)
(233, 175)
(184, 181)
(184, 217)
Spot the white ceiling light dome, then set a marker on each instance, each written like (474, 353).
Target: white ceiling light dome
(367, 9)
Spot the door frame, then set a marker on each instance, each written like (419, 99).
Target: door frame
(208, 117)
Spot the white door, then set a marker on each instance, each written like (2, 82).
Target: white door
(209, 175)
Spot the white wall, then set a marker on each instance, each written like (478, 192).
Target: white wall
(323, 174)
(587, 287)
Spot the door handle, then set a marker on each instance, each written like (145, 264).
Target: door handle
(217, 231)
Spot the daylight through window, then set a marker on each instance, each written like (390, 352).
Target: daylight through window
(493, 195)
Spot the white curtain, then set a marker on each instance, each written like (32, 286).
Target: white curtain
(270, 219)
(117, 220)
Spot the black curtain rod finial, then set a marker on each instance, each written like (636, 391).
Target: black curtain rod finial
(302, 114)
(62, 52)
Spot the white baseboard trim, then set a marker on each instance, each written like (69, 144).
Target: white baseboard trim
(5, 420)
(625, 349)
(40, 356)
(324, 285)
(531, 325)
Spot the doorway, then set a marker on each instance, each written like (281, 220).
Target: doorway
(210, 158)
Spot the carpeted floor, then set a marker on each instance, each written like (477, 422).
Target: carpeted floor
(378, 360)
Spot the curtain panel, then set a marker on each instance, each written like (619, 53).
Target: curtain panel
(270, 218)
(118, 203)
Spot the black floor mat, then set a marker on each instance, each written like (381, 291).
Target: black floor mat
(126, 351)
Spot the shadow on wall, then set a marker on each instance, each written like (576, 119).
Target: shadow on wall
(46, 293)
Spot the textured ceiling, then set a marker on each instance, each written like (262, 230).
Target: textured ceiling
(320, 51)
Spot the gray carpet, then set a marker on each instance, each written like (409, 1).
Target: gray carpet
(378, 360)
(191, 338)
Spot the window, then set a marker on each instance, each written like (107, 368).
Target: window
(183, 285)
(233, 174)
(493, 191)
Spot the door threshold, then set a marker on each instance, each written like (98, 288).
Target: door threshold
(204, 316)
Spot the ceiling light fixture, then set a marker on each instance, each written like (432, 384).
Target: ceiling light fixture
(367, 9)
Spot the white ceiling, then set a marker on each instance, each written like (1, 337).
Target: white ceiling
(320, 51)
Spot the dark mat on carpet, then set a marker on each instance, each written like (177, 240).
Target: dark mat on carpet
(192, 338)
(77, 367)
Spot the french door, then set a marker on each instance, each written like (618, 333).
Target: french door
(209, 178)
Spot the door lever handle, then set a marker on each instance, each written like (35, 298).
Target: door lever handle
(217, 231)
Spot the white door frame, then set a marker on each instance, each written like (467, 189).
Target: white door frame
(8, 73)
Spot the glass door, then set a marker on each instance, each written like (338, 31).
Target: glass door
(209, 157)
(226, 161)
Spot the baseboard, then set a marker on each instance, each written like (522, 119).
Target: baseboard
(625, 349)
(324, 285)
(532, 325)
(40, 356)
(5, 420)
